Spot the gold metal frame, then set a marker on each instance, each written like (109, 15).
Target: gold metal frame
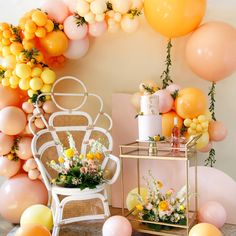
(162, 151)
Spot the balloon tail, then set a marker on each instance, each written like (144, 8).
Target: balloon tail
(211, 160)
(211, 94)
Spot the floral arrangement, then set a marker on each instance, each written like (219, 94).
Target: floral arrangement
(77, 170)
(161, 207)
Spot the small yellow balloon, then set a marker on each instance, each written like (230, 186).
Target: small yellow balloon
(48, 76)
(36, 71)
(23, 71)
(132, 198)
(31, 93)
(36, 83)
(37, 214)
(203, 141)
(46, 88)
(24, 84)
(205, 229)
(9, 61)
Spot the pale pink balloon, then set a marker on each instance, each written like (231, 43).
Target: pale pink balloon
(73, 31)
(24, 151)
(34, 174)
(6, 143)
(213, 213)
(207, 148)
(49, 107)
(27, 107)
(97, 29)
(18, 193)
(211, 51)
(77, 48)
(39, 123)
(30, 164)
(56, 9)
(172, 88)
(8, 97)
(12, 120)
(117, 226)
(27, 129)
(165, 100)
(217, 131)
(9, 168)
(72, 5)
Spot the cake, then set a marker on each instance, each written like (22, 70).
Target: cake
(149, 122)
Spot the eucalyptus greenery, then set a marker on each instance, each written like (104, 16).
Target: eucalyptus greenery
(165, 76)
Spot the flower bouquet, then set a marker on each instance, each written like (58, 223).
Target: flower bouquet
(77, 170)
(161, 207)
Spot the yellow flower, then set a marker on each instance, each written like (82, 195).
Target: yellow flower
(52, 162)
(98, 155)
(182, 207)
(163, 205)
(10, 157)
(61, 159)
(81, 156)
(90, 156)
(157, 138)
(159, 184)
(139, 207)
(69, 152)
(53, 181)
(62, 177)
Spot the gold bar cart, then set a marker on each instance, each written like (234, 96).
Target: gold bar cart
(162, 151)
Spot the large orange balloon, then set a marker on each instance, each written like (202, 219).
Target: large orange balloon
(190, 103)
(32, 230)
(173, 18)
(8, 97)
(18, 193)
(55, 43)
(205, 229)
(168, 123)
(211, 51)
(12, 120)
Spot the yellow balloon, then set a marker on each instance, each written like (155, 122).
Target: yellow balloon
(132, 198)
(36, 83)
(174, 18)
(203, 141)
(46, 88)
(37, 214)
(48, 76)
(23, 71)
(24, 84)
(9, 61)
(205, 229)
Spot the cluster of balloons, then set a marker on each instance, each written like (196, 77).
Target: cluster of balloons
(189, 105)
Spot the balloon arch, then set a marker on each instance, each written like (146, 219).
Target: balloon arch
(60, 30)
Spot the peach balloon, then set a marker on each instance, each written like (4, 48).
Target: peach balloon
(165, 100)
(12, 120)
(33, 174)
(72, 30)
(50, 107)
(6, 143)
(213, 213)
(211, 51)
(39, 123)
(56, 9)
(8, 97)
(173, 88)
(24, 151)
(32, 230)
(9, 168)
(98, 28)
(190, 103)
(30, 164)
(18, 193)
(28, 107)
(217, 131)
(204, 229)
(72, 4)
(174, 18)
(168, 123)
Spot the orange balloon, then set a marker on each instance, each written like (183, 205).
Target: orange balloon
(174, 18)
(205, 229)
(168, 123)
(8, 97)
(190, 103)
(55, 43)
(12, 120)
(32, 230)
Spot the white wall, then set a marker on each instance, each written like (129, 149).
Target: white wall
(118, 62)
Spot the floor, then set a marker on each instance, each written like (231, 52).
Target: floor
(85, 229)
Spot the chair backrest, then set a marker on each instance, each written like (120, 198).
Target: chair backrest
(50, 138)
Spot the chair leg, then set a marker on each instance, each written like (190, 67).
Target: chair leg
(56, 230)
(106, 205)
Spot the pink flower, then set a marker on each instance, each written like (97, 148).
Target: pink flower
(149, 206)
(83, 170)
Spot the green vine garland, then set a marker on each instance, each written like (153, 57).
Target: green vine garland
(211, 160)
(165, 76)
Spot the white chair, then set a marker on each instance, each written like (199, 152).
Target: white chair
(41, 147)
